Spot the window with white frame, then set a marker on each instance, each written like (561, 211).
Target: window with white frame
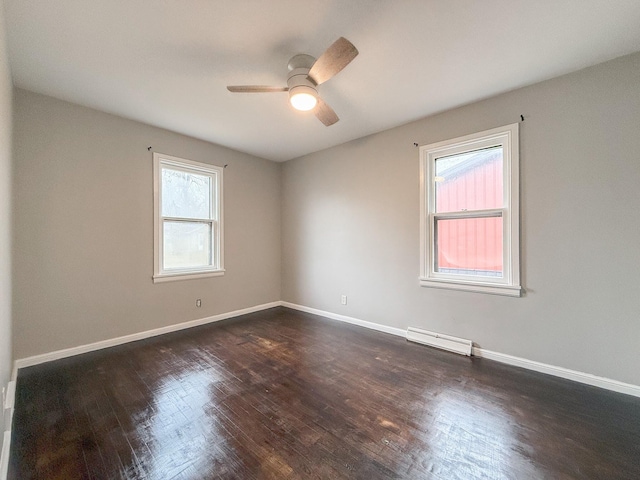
(188, 233)
(469, 213)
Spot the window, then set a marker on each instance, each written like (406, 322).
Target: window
(187, 219)
(469, 213)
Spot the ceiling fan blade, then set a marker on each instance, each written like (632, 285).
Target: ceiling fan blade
(255, 89)
(334, 59)
(325, 113)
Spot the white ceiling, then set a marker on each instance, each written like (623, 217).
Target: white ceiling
(167, 62)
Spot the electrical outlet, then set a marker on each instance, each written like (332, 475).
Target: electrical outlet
(343, 299)
(198, 303)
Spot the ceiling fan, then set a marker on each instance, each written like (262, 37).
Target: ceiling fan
(305, 74)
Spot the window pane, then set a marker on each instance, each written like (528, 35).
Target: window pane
(186, 195)
(469, 181)
(187, 245)
(469, 246)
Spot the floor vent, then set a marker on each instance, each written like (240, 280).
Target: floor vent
(439, 340)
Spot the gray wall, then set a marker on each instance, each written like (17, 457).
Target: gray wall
(351, 226)
(83, 233)
(5, 213)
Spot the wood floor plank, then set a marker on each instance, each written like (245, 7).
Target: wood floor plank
(288, 395)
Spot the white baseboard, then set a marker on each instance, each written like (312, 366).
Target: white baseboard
(343, 318)
(576, 376)
(4, 456)
(10, 395)
(70, 352)
(586, 378)
(7, 417)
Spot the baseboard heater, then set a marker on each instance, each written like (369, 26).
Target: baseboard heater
(439, 340)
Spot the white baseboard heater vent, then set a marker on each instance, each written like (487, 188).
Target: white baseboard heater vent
(439, 340)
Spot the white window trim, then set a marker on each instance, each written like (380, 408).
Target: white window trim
(509, 284)
(159, 274)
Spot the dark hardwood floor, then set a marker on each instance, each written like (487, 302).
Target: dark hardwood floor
(283, 394)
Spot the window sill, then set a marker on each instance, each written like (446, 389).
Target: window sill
(491, 289)
(172, 277)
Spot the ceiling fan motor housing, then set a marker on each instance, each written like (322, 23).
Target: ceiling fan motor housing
(300, 83)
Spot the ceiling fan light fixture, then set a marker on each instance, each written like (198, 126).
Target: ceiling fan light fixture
(303, 98)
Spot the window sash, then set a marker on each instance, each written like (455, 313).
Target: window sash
(213, 225)
(433, 257)
(489, 144)
(213, 208)
(494, 212)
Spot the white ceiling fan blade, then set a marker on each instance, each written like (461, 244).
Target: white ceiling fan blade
(325, 113)
(255, 89)
(334, 59)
